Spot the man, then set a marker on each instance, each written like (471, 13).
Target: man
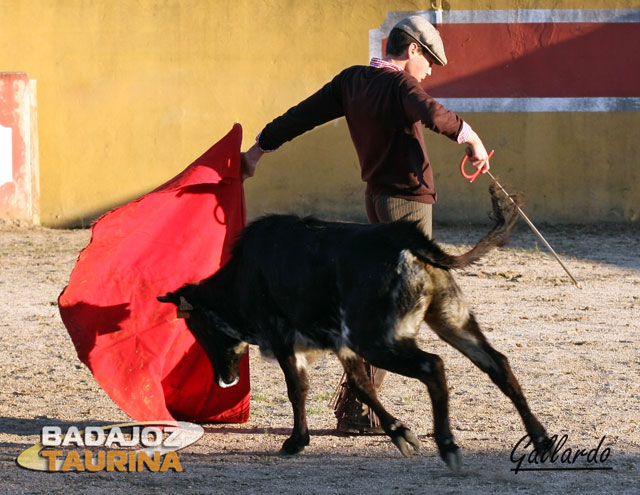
(385, 107)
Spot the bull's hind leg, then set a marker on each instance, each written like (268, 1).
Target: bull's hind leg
(294, 368)
(449, 316)
(360, 383)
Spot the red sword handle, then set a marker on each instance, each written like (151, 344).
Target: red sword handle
(472, 176)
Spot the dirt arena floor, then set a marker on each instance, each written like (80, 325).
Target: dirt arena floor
(574, 351)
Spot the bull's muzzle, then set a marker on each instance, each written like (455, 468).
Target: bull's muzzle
(223, 384)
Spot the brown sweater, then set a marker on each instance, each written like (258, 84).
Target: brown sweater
(384, 111)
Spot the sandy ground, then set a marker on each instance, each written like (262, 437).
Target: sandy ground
(574, 351)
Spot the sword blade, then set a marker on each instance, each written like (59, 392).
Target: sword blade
(535, 230)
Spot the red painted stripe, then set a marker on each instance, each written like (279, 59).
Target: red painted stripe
(539, 60)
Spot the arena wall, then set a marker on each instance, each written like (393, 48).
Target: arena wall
(129, 93)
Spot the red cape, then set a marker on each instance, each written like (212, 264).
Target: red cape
(138, 351)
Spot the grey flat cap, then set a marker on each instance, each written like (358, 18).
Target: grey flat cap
(424, 33)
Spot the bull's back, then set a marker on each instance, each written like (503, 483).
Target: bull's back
(287, 266)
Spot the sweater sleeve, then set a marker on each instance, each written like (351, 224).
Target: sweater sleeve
(420, 106)
(320, 107)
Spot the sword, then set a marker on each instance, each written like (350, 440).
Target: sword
(473, 177)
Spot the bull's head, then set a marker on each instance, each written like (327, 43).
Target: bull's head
(213, 333)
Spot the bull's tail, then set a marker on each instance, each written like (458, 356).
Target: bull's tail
(504, 215)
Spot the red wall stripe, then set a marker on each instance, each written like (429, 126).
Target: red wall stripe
(538, 60)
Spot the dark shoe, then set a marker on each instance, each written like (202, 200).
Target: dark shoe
(353, 417)
(352, 428)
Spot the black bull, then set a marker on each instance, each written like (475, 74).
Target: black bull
(362, 291)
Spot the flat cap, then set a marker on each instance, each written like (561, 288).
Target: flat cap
(426, 34)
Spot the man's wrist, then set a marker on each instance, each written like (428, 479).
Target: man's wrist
(466, 134)
(255, 152)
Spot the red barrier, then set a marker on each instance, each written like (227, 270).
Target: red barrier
(19, 187)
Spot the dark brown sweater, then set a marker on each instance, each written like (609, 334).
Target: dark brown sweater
(384, 110)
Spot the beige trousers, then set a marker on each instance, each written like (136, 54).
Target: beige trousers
(381, 208)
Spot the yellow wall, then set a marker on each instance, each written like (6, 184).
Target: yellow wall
(130, 92)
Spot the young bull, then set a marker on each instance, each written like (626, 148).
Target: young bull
(296, 285)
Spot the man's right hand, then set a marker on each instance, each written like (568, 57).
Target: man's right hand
(478, 155)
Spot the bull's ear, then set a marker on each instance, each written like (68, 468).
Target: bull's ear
(185, 305)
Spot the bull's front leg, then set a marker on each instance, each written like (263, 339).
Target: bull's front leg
(295, 374)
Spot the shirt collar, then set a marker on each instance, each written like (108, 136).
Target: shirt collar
(379, 63)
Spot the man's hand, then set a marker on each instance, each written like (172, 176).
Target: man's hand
(249, 161)
(478, 155)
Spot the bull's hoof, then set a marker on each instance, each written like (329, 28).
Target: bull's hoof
(542, 444)
(403, 438)
(454, 460)
(295, 444)
(451, 454)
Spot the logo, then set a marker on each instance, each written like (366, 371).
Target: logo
(130, 447)
(555, 457)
